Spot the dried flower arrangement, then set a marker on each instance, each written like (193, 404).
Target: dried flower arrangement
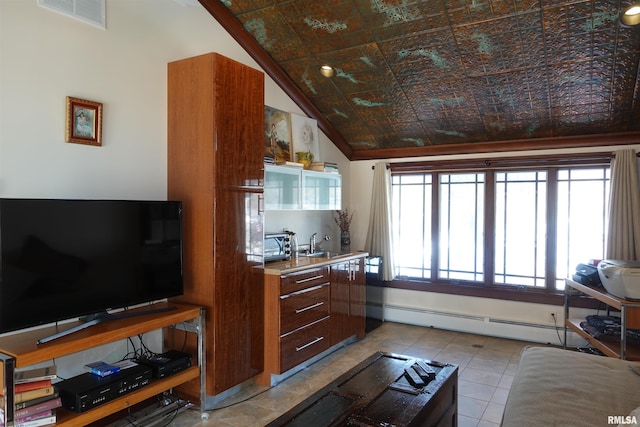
(343, 220)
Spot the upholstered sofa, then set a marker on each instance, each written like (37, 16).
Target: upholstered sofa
(555, 387)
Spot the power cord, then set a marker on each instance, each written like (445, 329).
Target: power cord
(555, 323)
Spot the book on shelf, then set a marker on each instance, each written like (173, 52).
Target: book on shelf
(33, 394)
(37, 423)
(38, 407)
(325, 164)
(36, 401)
(101, 369)
(33, 385)
(290, 164)
(42, 414)
(35, 374)
(324, 167)
(32, 411)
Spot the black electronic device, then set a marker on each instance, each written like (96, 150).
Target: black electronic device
(587, 275)
(64, 259)
(86, 391)
(168, 363)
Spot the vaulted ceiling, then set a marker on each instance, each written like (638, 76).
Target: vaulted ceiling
(421, 77)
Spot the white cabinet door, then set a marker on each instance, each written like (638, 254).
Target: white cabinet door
(282, 188)
(321, 190)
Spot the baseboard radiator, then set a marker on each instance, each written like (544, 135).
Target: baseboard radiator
(474, 324)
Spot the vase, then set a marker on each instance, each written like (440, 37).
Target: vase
(306, 158)
(345, 241)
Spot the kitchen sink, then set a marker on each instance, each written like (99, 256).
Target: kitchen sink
(326, 254)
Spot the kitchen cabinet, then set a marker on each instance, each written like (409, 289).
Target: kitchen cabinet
(296, 319)
(348, 299)
(282, 188)
(290, 188)
(311, 304)
(321, 190)
(215, 166)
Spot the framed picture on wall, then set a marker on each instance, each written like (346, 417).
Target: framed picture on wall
(83, 121)
(304, 135)
(277, 134)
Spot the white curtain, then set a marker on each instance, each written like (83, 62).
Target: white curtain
(379, 240)
(623, 239)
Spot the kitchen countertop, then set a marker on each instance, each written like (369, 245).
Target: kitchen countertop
(303, 262)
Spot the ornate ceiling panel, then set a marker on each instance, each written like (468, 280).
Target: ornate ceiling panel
(416, 75)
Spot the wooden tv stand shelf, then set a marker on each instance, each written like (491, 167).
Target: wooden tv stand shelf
(629, 318)
(21, 350)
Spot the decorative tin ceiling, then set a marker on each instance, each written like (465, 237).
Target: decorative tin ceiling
(428, 73)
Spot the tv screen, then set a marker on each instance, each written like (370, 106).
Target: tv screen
(63, 259)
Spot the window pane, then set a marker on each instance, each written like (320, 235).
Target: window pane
(412, 225)
(520, 228)
(461, 226)
(583, 196)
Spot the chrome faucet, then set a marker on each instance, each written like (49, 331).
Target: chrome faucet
(312, 243)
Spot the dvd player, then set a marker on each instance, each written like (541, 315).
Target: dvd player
(86, 391)
(168, 363)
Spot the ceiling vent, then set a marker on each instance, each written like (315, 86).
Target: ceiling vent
(88, 11)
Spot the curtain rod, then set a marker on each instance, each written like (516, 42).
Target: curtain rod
(489, 162)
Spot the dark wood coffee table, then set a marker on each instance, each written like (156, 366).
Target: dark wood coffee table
(383, 390)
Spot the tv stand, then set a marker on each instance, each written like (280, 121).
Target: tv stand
(20, 350)
(95, 318)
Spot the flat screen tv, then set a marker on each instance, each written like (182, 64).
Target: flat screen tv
(64, 259)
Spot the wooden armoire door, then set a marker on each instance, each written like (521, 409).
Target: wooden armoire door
(215, 166)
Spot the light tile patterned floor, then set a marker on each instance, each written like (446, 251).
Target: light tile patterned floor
(486, 369)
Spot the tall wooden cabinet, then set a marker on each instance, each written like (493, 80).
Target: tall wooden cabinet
(215, 166)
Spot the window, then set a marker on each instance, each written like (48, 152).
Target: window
(523, 225)
(461, 231)
(412, 224)
(583, 196)
(520, 228)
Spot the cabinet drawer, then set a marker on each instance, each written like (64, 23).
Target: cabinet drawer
(303, 279)
(303, 344)
(302, 307)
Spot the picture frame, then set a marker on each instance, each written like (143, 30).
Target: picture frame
(83, 121)
(304, 135)
(277, 135)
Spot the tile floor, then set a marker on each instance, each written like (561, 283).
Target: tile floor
(486, 369)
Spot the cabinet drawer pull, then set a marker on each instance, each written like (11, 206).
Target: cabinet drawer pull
(308, 279)
(304, 291)
(318, 339)
(312, 306)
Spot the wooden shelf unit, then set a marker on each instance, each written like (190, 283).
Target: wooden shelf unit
(21, 350)
(629, 318)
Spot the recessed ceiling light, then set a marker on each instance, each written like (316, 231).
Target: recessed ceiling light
(327, 71)
(631, 16)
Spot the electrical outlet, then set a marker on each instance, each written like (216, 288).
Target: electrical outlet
(552, 316)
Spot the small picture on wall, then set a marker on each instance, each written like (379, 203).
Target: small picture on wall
(84, 121)
(277, 134)
(304, 135)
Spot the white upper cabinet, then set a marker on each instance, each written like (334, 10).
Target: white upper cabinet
(290, 188)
